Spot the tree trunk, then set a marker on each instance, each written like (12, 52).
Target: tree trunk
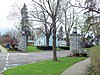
(66, 31)
(47, 40)
(54, 42)
(68, 43)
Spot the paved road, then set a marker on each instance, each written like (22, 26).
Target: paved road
(2, 61)
(8, 60)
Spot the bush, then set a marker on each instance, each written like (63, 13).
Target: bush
(91, 70)
(95, 58)
(65, 47)
(44, 47)
(79, 55)
(4, 45)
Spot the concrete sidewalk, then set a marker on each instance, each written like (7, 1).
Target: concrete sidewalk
(78, 68)
(3, 49)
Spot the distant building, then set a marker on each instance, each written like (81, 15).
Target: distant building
(30, 42)
(40, 40)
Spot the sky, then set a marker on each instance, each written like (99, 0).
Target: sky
(5, 8)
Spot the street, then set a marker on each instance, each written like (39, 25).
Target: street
(2, 61)
(8, 60)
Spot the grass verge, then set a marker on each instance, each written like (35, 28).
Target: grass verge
(33, 49)
(47, 67)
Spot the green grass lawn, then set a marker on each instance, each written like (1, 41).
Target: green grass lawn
(86, 49)
(47, 67)
(58, 49)
(33, 49)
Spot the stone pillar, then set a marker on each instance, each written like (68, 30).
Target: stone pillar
(24, 29)
(22, 43)
(75, 43)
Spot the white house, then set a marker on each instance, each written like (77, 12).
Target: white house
(40, 40)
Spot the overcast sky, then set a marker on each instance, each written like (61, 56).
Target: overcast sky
(5, 8)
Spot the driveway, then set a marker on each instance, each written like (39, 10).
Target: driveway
(8, 60)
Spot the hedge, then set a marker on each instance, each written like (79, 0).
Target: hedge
(44, 47)
(95, 58)
(65, 47)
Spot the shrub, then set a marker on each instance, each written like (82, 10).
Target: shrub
(90, 70)
(44, 47)
(95, 58)
(4, 45)
(65, 47)
(79, 55)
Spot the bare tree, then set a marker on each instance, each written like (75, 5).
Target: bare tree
(14, 13)
(93, 17)
(92, 10)
(51, 7)
(42, 17)
(70, 17)
(69, 22)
